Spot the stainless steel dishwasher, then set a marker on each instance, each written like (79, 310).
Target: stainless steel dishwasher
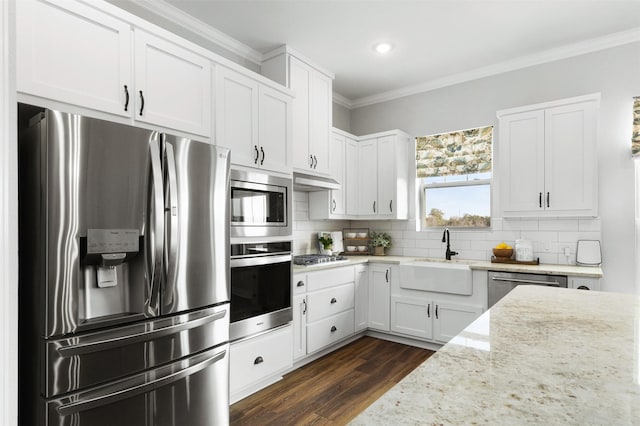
(501, 283)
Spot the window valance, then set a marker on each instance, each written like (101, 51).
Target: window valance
(458, 153)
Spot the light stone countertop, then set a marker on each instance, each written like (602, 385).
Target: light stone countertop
(549, 269)
(539, 356)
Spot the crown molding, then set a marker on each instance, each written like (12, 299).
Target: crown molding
(188, 22)
(555, 54)
(342, 100)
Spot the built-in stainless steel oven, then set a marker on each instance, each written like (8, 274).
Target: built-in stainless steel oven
(260, 287)
(260, 204)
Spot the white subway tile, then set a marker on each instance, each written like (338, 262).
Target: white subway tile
(540, 236)
(558, 225)
(580, 235)
(520, 225)
(430, 244)
(417, 252)
(590, 225)
(547, 258)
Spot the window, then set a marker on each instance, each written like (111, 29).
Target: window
(453, 173)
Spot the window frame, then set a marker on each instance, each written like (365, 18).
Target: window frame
(461, 183)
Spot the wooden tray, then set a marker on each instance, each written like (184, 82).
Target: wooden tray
(516, 262)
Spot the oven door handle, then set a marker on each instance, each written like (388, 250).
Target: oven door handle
(260, 260)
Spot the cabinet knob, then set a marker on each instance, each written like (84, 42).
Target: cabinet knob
(333, 300)
(333, 328)
(258, 360)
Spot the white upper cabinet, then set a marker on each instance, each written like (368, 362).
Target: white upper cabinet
(252, 120)
(350, 184)
(547, 159)
(337, 155)
(311, 107)
(73, 53)
(172, 85)
(383, 175)
(236, 98)
(331, 204)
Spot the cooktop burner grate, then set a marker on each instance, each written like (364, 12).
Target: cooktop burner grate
(316, 259)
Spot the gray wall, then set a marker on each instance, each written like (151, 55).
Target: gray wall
(341, 117)
(615, 73)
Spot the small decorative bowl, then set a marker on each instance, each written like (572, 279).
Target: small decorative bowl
(503, 253)
(351, 248)
(362, 235)
(350, 234)
(362, 248)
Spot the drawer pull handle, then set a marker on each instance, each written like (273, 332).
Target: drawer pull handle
(141, 103)
(429, 310)
(333, 328)
(333, 300)
(126, 101)
(300, 284)
(258, 360)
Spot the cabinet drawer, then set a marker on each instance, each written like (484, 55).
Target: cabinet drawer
(299, 284)
(255, 359)
(331, 301)
(329, 278)
(330, 330)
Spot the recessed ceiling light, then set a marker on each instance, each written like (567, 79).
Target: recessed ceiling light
(383, 48)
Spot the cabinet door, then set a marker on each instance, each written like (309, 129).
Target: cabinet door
(69, 52)
(367, 177)
(237, 116)
(379, 293)
(320, 98)
(172, 85)
(337, 150)
(450, 319)
(299, 324)
(299, 80)
(411, 316)
(350, 184)
(386, 175)
(521, 164)
(361, 298)
(274, 135)
(570, 159)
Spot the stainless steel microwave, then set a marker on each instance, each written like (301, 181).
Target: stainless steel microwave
(260, 204)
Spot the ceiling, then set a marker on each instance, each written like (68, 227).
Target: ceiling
(436, 42)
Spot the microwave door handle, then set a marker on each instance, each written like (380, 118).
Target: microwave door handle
(156, 225)
(137, 389)
(173, 220)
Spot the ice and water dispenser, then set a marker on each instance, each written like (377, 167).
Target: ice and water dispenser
(113, 274)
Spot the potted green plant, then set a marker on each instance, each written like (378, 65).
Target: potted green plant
(326, 241)
(380, 241)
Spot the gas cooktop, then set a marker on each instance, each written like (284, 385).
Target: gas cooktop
(318, 259)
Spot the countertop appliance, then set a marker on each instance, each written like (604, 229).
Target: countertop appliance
(260, 287)
(588, 253)
(501, 283)
(260, 204)
(124, 289)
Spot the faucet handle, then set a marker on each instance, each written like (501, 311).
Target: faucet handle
(453, 253)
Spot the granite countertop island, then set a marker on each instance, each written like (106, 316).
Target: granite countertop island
(539, 356)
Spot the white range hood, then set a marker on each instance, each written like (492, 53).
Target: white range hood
(308, 183)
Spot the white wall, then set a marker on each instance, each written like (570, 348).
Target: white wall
(341, 117)
(615, 73)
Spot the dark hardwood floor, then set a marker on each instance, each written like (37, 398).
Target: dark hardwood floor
(333, 389)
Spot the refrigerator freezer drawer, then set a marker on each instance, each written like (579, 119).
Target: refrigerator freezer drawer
(193, 391)
(93, 358)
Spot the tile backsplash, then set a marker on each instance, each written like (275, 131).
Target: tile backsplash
(551, 238)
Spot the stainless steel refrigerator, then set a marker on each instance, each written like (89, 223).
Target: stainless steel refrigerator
(124, 275)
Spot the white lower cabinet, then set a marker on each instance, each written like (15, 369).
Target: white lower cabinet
(330, 330)
(299, 325)
(430, 319)
(326, 304)
(361, 300)
(379, 296)
(255, 360)
(584, 283)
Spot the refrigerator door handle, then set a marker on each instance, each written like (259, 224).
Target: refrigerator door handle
(136, 389)
(156, 225)
(172, 219)
(83, 348)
